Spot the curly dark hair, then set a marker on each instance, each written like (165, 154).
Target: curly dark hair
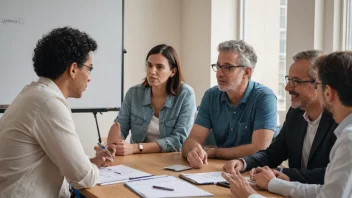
(59, 49)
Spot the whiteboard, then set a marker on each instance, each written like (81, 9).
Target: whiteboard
(23, 23)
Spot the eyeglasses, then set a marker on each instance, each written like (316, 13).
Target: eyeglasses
(224, 68)
(316, 84)
(293, 82)
(90, 68)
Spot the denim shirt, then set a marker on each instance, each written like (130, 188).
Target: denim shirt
(176, 117)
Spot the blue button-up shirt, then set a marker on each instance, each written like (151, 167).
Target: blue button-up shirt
(176, 117)
(234, 125)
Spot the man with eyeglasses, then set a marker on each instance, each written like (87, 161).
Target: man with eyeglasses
(306, 137)
(242, 114)
(334, 85)
(39, 147)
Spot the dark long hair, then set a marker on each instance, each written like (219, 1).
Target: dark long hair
(173, 85)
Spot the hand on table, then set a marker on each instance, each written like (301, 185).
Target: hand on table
(232, 165)
(122, 147)
(261, 176)
(197, 157)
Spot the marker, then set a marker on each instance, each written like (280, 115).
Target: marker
(163, 188)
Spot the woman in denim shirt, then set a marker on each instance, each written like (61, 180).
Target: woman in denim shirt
(159, 112)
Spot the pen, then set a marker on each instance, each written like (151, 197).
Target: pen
(101, 145)
(163, 188)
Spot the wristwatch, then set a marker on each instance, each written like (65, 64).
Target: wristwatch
(140, 146)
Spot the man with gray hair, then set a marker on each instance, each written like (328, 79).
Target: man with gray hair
(306, 137)
(241, 113)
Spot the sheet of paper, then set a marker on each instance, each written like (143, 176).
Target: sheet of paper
(181, 188)
(209, 177)
(118, 174)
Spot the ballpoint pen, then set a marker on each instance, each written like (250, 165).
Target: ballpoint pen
(101, 146)
(163, 188)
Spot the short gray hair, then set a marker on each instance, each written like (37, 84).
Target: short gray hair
(247, 55)
(311, 56)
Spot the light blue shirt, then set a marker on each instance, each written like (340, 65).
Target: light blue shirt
(176, 117)
(234, 125)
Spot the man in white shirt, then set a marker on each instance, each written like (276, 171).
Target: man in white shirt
(334, 85)
(39, 147)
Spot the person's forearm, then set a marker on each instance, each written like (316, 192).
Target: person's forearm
(114, 134)
(232, 153)
(294, 189)
(151, 147)
(188, 145)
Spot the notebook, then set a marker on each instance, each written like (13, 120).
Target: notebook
(180, 188)
(205, 178)
(119, 174)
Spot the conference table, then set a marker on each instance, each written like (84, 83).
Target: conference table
(154, 164)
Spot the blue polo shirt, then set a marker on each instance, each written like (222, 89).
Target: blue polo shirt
(234, 125)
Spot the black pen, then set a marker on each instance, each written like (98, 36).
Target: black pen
(163, 188)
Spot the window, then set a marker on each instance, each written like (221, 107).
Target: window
(264, 25)
(283, 16)
(283, 43)
(347, 18)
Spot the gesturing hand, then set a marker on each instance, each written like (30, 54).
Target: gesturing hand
(238, 184)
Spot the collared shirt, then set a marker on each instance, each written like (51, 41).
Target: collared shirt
(39, 146)
(176, 117)
(234, 125)
(338, 180)
(312, 128)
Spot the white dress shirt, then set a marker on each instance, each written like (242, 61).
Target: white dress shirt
(39, 146)
(312, 127)
(338, 175)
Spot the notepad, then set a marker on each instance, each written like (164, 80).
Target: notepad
(144, 187)
(119, 174)
(204, 178)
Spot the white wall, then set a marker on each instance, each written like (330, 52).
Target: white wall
(195, 44)
(225, 23)
(262, 31)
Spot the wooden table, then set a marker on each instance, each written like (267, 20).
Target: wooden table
(154, 164)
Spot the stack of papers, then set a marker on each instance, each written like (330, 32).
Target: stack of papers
(180, 188)
(119, 174)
